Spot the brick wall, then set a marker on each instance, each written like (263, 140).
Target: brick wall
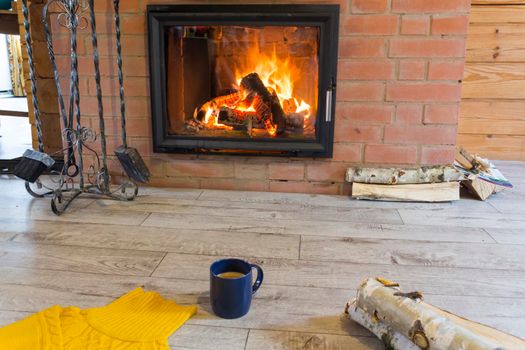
(400, 70)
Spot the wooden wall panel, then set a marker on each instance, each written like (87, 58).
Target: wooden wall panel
(492, 118)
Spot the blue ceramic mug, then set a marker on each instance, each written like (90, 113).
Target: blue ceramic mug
(232, 287)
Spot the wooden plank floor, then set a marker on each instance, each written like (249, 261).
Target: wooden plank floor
(466, 257)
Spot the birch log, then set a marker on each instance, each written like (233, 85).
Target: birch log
(398, 176)
(404, 322)
(438, 192)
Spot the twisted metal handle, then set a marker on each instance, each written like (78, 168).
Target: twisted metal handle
(116, 6)
(32, 78)
(75, 86)
(62, 107)
(102, 127)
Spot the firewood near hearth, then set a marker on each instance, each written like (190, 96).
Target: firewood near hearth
(423, 184)
(482, 178)
(402, 321)
(254, 85)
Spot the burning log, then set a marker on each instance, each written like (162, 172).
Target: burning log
(253, 84)
(237, 116)
(262, 109)
(295, 120)
(230, 100)
(240, 120)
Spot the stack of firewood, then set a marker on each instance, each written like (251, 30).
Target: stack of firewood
(423, 184)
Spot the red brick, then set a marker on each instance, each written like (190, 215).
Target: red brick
(351, 132)
(441, 114)
(305, 187)
(252, 185)
(430, 6)
(360, 91)
(361, 47)
(415, 25)
(133, 24)
(415, 92)
(370, 24)
(425, 135)
(369, 6)
(196, 168)
(446, 70)
(125, 6)
(133, 66)
(326, 171)
(83, 86)
(135, 106)
(450, 25)
(144, 146)
(348, 152)
(62, 42)
(155, 165)
(427, 48)
(286, 171)
(139, 127)
(366, 70)
(437, 155)
(251, 171)
(412, 69)
(218, 184)
(132, 45)
(176, 182)
(367, 113)
(409, 114)
(390, 154)
(133, 87)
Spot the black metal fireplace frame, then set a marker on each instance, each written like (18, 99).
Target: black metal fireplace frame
(326, 17)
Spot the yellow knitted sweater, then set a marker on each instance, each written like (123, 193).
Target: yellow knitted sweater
(138, 320)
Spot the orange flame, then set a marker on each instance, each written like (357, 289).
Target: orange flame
(277, 74)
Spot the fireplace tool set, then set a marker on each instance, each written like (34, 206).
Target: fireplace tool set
(73, 179)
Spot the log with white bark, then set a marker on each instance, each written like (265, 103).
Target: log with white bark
(404, 322)
(437, 192)
(398, 176)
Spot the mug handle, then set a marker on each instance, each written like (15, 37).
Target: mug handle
(259, 279)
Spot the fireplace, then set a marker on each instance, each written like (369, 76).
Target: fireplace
(243, 79)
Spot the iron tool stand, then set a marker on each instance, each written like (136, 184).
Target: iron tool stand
(75, 178)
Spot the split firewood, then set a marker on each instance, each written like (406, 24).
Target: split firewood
(253, 84)
(436, 192)
(406, 323)
(398, 176)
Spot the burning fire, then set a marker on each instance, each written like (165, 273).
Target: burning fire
(278, 76)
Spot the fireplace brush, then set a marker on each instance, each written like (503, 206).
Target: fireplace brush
(129, 158)
(33, 163)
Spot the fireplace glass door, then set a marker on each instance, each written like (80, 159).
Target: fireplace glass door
(250, 77)
(242, 81)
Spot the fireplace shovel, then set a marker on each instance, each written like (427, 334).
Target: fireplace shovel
(33, 163)
(129, 158)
